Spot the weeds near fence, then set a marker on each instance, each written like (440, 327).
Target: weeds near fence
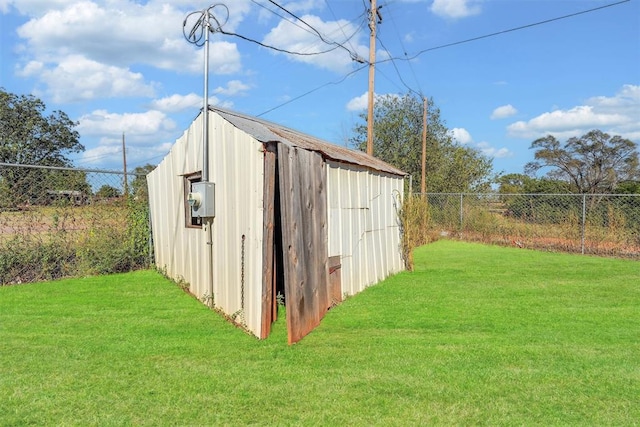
(589, 224)
(73, 241)
(63, 224)
(414, 218)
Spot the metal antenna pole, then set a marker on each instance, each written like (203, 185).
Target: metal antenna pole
(372, 67)
(205, 103)
(199, 35)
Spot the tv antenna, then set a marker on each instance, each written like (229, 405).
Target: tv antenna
(202, 23)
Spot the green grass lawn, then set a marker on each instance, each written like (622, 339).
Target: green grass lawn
(476, 335)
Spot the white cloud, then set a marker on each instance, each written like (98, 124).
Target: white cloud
(461, 135)
(234, 88)
(32, 68)
(455, 8)
(304, 6)
(101, 154)
(614, 115)
(358, 103)
(78, 78)
(82, 50)
(174, 103)
(361, 102)
(137, 126)
(117, 34)
(142, 132)
(497, 153)
(34, 7)
(297, 39)
(110, 153)
(503, 112)
(298, 7)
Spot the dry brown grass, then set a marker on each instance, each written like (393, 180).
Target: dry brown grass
(415, 226)
(616, 239)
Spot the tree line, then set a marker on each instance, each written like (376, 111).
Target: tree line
(29, 136)
(592, 163)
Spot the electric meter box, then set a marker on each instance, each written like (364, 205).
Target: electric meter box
(202, 199)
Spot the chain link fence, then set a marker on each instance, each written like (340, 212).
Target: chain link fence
(599, 224)
(62, 222)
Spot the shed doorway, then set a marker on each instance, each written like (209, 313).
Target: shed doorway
(296, 239)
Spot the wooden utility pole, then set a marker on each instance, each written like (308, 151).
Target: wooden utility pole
(372, 60)
(423, 181)
(124, 162)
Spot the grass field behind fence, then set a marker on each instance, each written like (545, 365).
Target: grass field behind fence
(50, 242)
(475, 335)
(542, 221)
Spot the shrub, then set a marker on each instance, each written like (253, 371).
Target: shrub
(414, 217)
(77, 241)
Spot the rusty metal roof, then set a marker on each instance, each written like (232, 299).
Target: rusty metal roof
(265, 131)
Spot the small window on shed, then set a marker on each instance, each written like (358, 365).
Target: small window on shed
(191, 221)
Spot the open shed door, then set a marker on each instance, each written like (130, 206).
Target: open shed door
(303, 205)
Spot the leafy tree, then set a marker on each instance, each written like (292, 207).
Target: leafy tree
(516, 183)
(107, 191)
(28, 136)
(398, 122)
(593, 163)
(628, 187)
(139, 184)
(520, 197)
(512, 183)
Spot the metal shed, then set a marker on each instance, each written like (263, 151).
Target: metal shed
(295, 217)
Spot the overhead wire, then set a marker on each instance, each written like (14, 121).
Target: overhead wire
(313, 90)
(249, 39)
(392, 59)
(281, 17)
(510, 30)
(347, 39)
(90, 159)
(407, 58)
(337, 45)
(395, 66)
(353, 55)
(404, 49)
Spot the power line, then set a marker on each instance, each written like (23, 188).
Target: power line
(249, 39)
(347, 39)
(196, 35)
(404, 49)
(522, 27)
(353, 55)
(280, 16)
(313, 90)
(397, 70)
(442, 47)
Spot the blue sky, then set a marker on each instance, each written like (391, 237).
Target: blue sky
(124, 66)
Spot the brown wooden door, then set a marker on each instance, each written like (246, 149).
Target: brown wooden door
(303, 206)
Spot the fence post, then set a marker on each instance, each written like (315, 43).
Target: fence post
(461, 214)
(584, 220)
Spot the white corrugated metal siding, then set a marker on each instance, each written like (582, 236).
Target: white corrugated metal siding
(363, 223)
(363, 226)
(236, 168)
